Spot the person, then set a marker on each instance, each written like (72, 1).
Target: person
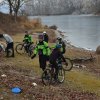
(28, 40)
(43, 51)
(54, 57)
(61, 42)
(10, 44)
(46, 38)
(2, 47)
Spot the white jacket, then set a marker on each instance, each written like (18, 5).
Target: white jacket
(8, 38)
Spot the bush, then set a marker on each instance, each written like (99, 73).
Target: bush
(53, 27)
(98, 50)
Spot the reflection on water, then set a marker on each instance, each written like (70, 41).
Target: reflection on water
(83, 31)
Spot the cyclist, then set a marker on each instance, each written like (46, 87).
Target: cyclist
(55, 55)
(46, 38)
(61, 42)
(43, 51)
(10, 44)
(27, 40)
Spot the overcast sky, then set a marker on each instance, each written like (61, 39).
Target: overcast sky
(3, 8)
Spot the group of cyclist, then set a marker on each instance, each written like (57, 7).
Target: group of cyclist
(42, 49)
(46, 54)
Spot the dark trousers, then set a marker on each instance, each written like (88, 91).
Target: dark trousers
(56, 67)
(42, 61)
(27, 47)
(10, 46)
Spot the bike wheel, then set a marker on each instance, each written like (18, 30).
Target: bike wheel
(46, 77)
(10, 52)
(30, 51)
(20, 49)
(61, 75)
(69, 65)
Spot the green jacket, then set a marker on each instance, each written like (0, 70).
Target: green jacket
(42, 47)
(28, 38)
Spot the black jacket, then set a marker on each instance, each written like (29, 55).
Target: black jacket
(46, 38)
(55, 55)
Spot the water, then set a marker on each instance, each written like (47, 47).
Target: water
(82, 30)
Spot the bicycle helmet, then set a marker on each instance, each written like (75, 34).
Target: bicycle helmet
(44, 32)
(59, 38)
(58, 46)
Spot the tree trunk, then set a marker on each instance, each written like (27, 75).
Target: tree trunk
(10, 10)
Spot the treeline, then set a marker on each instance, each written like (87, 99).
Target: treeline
(56, 7)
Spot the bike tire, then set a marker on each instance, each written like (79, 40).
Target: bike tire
(30, 51)
(61, 75)
(69, 65)
(46, 78)
(20, 49)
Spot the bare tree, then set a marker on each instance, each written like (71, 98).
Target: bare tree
(14, 6)
(47, 7)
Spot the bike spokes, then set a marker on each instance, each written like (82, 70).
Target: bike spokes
(46, 77)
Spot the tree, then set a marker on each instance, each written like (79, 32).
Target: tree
(15, 6)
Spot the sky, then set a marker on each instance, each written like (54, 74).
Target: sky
(1, 1)
(3, 8)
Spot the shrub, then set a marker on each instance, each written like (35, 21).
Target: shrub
(53, 27)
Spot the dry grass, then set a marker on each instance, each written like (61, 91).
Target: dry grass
(8, 25)
(83, 81)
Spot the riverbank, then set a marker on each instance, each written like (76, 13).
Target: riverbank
(81, 56)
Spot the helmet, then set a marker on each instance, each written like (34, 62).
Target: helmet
(44, 32)
(26, 31)
(59, 38)
(58, 46)
(40, 36)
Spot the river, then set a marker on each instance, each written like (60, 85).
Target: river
(82, 30)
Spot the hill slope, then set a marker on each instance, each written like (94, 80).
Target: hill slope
(8, 24)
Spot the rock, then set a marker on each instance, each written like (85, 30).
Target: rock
(79, 66)
(3, 75)
(98, 50)
(34, 84)
(1, 98)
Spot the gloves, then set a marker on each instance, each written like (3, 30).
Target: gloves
(33, 56)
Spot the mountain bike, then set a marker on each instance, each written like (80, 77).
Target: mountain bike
(3, 51)
(23, 48)
(49, 73)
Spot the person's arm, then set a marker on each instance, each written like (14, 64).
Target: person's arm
(63, 59)
(30, 38)
(47, 48)
(62, 56)
(35, 52)
(47, 38)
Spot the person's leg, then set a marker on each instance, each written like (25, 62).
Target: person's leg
(56, 70)
(42, 61)
(7, 49)
(12, 47)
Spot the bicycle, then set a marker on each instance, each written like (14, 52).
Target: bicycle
(3, 51)
(49, 72)
(23, 48)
